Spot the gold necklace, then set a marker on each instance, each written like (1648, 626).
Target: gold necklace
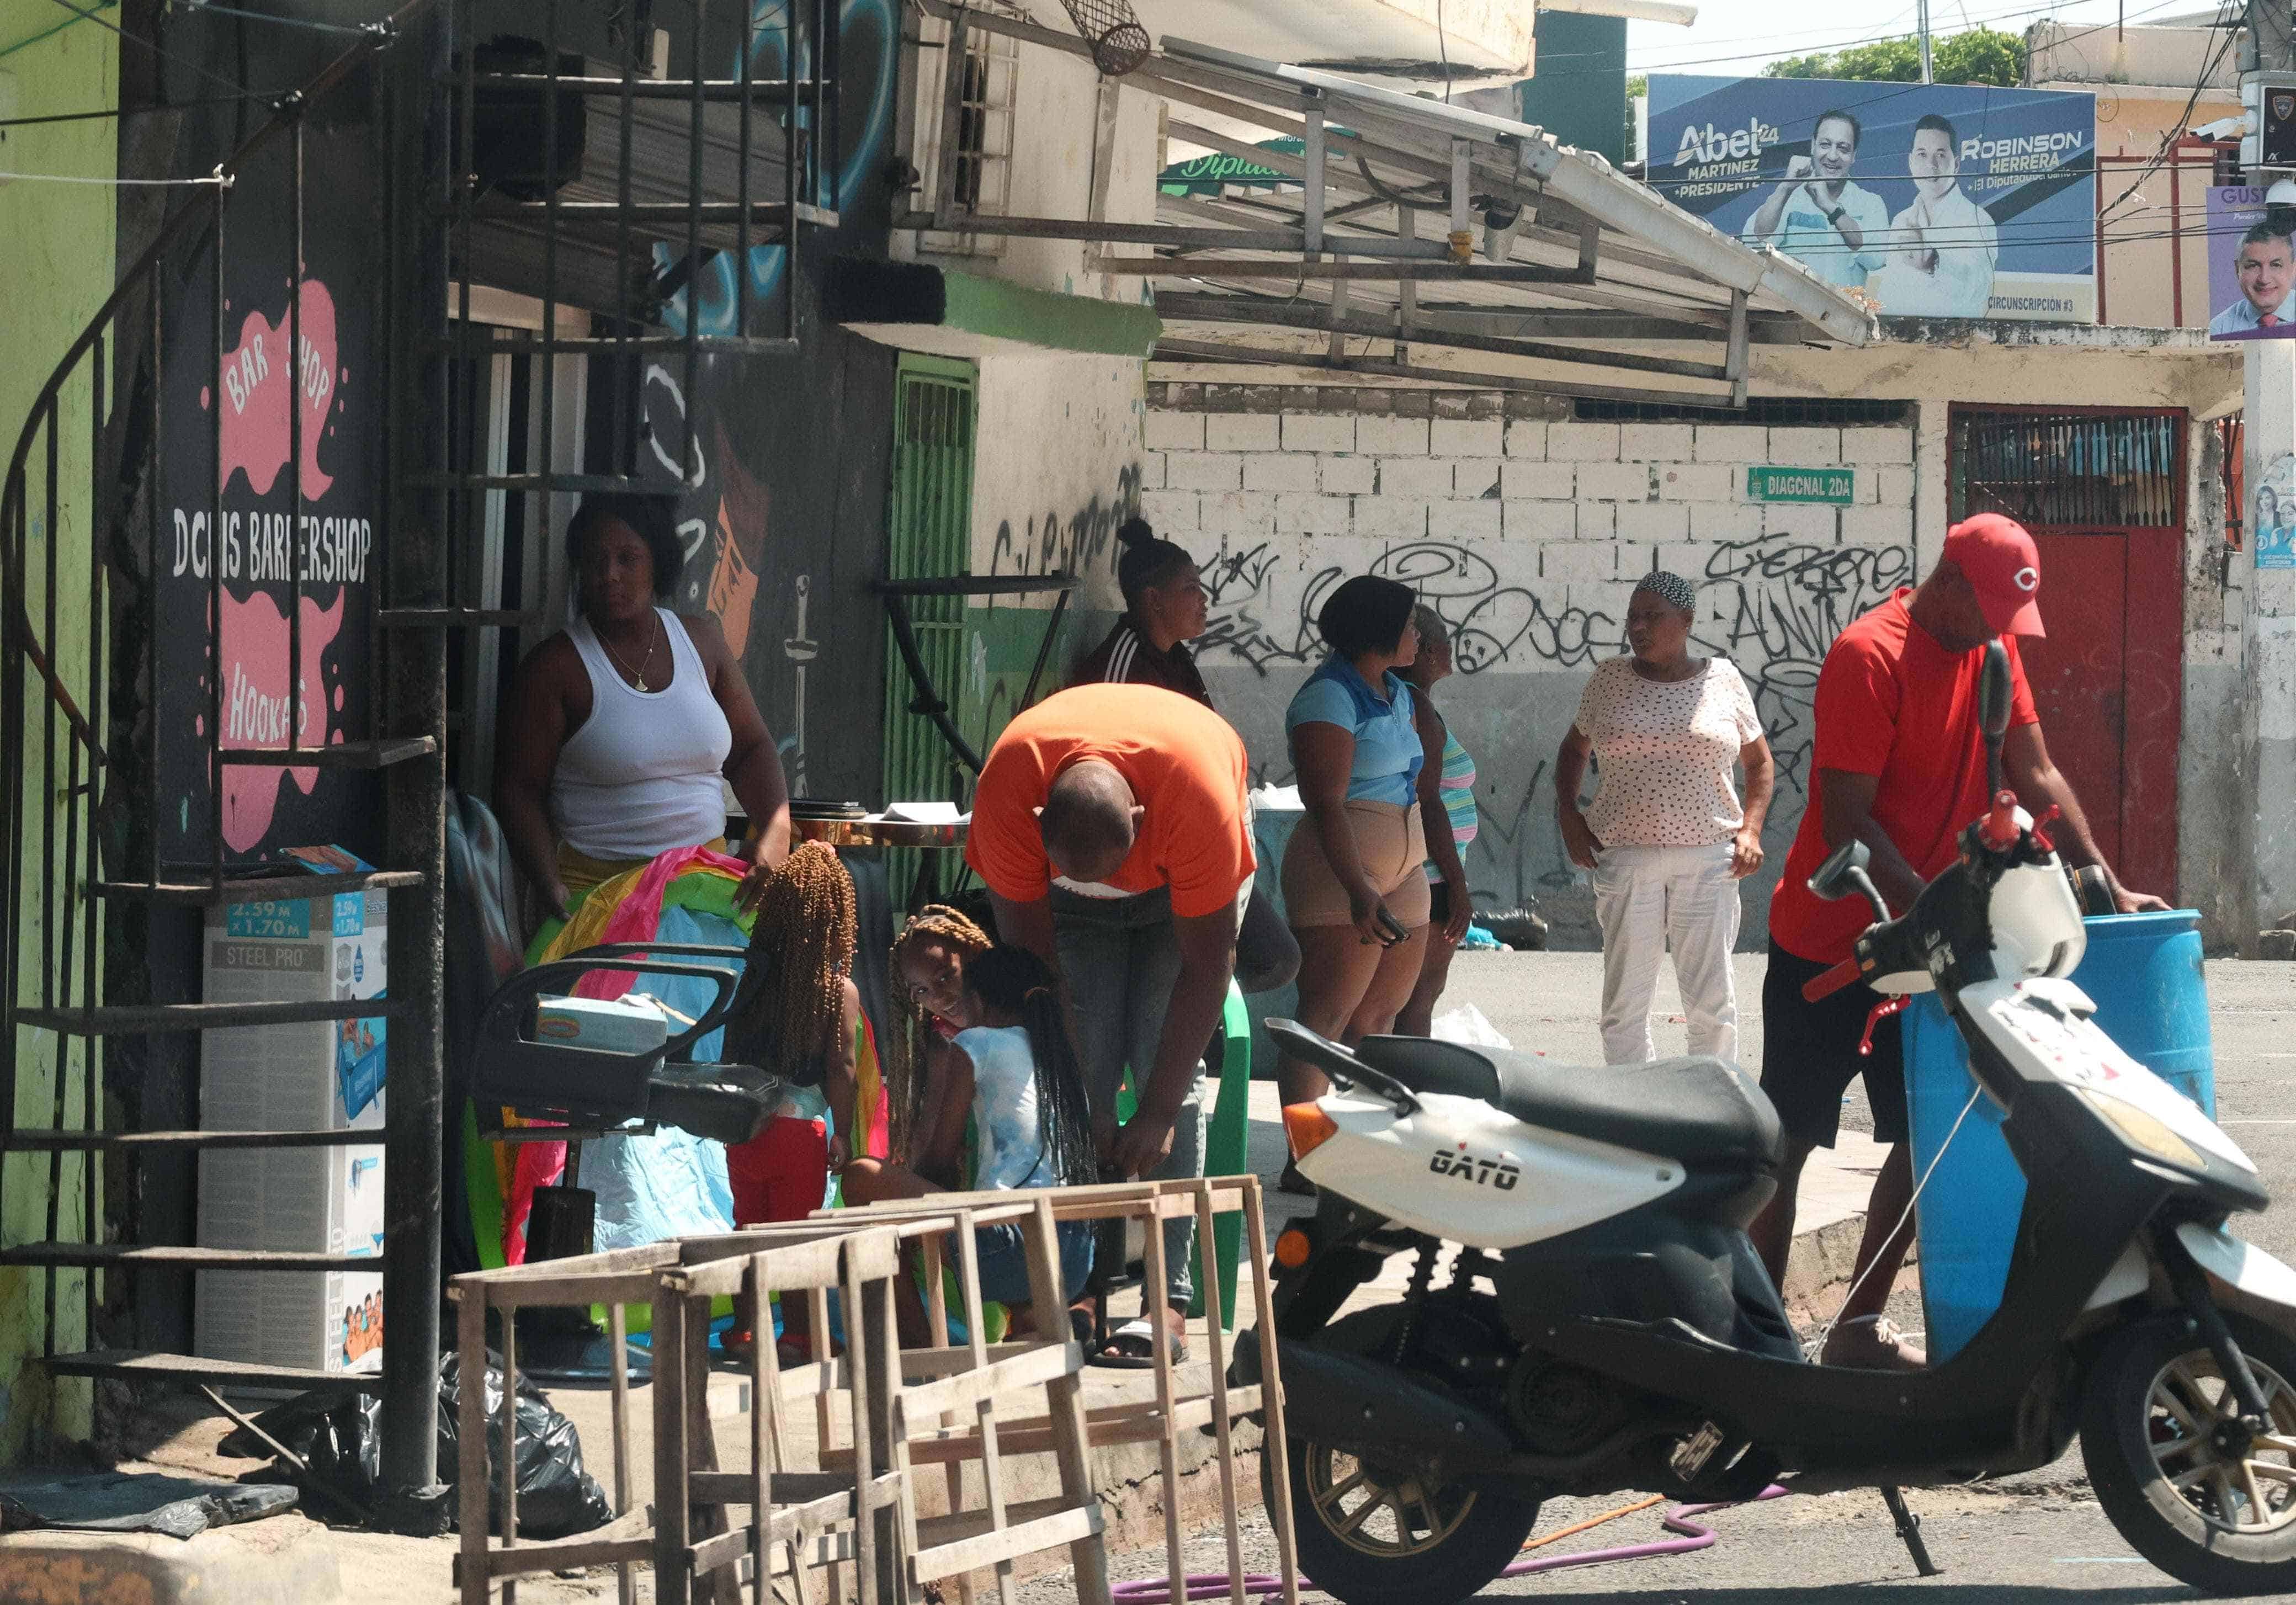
(653, 641)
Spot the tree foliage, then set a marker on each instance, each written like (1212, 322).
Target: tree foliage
(1980, 55)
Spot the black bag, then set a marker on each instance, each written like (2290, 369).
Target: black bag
(338, 1437)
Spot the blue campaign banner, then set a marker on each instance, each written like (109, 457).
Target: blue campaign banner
(1930, 200)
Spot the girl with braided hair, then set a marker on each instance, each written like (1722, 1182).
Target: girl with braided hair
(799, 1018)
(1011, 1065)
(928, 967)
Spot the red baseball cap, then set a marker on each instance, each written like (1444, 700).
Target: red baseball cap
(1998, 559)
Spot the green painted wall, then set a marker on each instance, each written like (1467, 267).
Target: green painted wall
(60, 267)
(1580, 96)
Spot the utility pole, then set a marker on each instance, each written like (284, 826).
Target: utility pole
(2268, 451)
(1926, 79)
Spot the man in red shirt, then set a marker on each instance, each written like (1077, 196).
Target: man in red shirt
(1112, 825)
(1899, 765)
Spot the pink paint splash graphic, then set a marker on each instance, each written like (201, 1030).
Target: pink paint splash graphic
(255, 381)
(256, 706)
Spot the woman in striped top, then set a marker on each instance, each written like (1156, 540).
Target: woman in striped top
(1432, 664)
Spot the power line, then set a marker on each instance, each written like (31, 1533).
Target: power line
(82, 116)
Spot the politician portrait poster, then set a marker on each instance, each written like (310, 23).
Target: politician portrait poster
(2251, 267)
(1930, 200)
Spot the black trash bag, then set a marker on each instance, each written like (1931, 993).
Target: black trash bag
(339, 1435)
(556, 1497)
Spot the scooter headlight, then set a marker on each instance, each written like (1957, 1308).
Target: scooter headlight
(2145, 1130)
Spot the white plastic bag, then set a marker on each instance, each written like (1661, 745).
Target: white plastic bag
(1466, 1024)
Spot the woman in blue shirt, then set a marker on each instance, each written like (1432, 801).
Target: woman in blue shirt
(1368, 757)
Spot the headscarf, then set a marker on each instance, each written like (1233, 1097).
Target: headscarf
(1671, 589)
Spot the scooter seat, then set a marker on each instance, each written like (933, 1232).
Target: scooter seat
(1697, 1110)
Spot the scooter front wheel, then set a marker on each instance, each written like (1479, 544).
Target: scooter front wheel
(2178, 1475)
(1374, 1536)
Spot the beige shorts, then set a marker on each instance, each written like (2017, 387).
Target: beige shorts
(1390, 842)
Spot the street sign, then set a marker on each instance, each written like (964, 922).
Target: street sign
(1836, 485)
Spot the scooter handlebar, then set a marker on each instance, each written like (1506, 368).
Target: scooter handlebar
(1844, 974)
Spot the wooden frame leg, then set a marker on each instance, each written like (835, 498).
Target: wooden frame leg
(1215, 1352)
(1064, 1395)
(1273, 1441)
(470, 1440)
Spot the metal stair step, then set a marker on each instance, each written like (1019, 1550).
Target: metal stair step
(377, 754)
(121, 1019)
(63, 1141)
(144, 1365)
(188, 1258)
(243, 888)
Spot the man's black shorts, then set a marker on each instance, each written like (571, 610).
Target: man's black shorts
(1810, 1054)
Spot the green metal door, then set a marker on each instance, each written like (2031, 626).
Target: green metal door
(930, 538)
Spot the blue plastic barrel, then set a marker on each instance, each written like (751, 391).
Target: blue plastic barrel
(2144, 973)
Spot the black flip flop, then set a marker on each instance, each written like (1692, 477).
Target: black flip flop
(1142, 1333)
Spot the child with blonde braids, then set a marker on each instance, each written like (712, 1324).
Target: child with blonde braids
(1010, 1066)
(800, 1018)
(927, 973)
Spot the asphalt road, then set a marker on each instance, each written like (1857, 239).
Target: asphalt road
(2036, 1538)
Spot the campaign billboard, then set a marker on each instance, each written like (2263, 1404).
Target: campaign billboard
(1930, 200)
(2251, 267)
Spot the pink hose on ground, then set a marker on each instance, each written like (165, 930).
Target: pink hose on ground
(1216, 1585)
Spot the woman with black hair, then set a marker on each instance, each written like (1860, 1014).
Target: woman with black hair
(1368, 756)
(622, 724)
(1165, 608)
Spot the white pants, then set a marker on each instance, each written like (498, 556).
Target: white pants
(1646, 900)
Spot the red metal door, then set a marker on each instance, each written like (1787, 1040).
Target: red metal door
(2108, 683)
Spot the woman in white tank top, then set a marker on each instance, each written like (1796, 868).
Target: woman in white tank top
(622, 724)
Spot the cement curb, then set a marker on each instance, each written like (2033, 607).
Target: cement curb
(145, 1568)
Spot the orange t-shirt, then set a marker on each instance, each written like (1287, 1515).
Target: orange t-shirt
(1893, 704)
(1183, 763)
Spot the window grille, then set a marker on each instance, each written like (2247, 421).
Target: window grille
(981, 165)
(2067, 468)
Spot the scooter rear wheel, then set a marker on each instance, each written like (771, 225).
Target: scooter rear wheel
(2219, 1517)
(1374, 1536)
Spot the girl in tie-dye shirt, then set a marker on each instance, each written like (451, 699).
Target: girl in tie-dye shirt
(1432, 664)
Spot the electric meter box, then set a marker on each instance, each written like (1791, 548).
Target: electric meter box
(324, 1076)
(2270, 100)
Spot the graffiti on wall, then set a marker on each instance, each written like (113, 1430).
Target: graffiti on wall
(1076, 543)
(1493, 624)
(1775, 606)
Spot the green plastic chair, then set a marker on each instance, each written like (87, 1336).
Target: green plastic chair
(1224, 1149)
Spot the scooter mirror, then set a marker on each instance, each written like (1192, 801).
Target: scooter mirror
(1843, 875)
(1833, 880)
(1994, 693)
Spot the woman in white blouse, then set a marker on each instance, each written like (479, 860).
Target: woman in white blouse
(1667, 835)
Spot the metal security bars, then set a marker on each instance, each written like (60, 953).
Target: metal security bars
(930, 534)
(506, 159)
(2069, 468)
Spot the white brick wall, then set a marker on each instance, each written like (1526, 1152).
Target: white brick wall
(1279, 471)
(1466, 436)
(1242, 432)
(1423, 477)
(1526, 438)
(1348, 476)
(1388, 437)
(1614, 481)
(1583, 442)
(1318, 431)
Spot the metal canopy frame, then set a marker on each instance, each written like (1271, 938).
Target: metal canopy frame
(1565, 272)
